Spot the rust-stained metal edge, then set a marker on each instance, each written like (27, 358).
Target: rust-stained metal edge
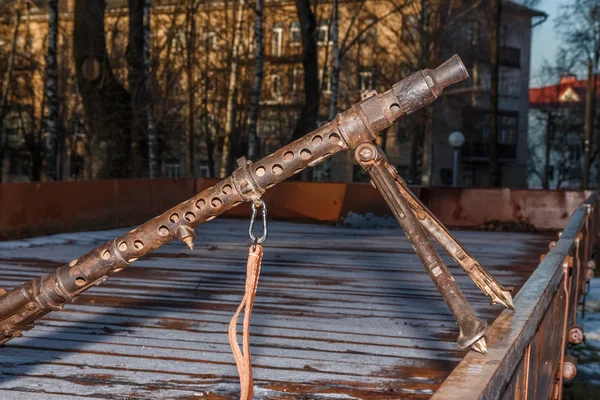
(481, 377)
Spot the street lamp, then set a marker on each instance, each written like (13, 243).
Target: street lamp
(456, 139)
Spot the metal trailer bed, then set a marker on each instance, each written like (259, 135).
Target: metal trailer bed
(341, 313)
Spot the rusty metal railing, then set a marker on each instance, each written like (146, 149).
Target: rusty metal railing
(527, 347)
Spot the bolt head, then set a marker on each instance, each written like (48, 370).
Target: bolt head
(366, 154)
(575, 335)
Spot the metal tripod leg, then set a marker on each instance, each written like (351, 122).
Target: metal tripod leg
(486, 283)
(372, 159)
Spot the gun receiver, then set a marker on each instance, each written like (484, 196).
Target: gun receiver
(20, 307)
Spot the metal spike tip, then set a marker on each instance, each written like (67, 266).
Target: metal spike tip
(480, 346)
(503, 297)
(189, 243)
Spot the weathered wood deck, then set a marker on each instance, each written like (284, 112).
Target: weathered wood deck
(340, 314)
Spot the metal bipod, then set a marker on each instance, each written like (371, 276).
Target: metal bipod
(415, 219)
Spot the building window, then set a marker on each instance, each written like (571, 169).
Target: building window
(275, 85)
(410, 28)
(508, 125)
(211, 41)
(474, 33)
(295, 33)
(203, 170)
(172, 169)
(323, 32)
(324, 81)
(366, 81)
(277, 40)
(294, 75)
(359, 174)
(369, 33)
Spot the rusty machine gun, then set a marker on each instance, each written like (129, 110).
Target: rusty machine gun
(353, 129)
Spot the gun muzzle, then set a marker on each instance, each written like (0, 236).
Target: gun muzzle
(423, 87)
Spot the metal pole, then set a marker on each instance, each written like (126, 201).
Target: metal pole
(455, 168)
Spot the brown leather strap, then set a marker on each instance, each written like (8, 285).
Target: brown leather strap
(242, 361)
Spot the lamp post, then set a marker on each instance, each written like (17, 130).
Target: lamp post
(456, 139)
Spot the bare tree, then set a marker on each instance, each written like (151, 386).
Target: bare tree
(310, 109)
(150, 124)
(6, 90)
(579, 24)
(107, 104)
(50, 120)
(253, 145)
(230, 117)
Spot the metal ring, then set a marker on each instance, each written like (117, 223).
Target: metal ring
(254, 239)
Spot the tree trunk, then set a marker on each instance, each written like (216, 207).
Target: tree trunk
(208, 139)
(253, 144)
(549, 132)
(587, 128)
(138, 85)
(310, 110)
(190, 26)
(231, 92)
(150, 121)
(494, 170)
(106, 103)
(6, 91)
(50, 121)
(335, 72)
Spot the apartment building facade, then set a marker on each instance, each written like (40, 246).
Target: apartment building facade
(380, 43)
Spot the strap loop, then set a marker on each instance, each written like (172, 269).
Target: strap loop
(242, 360)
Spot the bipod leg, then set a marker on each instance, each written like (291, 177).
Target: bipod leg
(472, 329)
(484, 281)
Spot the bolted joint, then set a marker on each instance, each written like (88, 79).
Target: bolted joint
(245, 183)
(575, 334)
(368, 154)
(569, 369)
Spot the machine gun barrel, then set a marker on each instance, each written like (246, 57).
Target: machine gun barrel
(20, 307)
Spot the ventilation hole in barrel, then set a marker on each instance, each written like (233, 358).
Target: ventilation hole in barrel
(105, 255)
(72, 263)
(288, 156)
(226, 189)
(269, 186)
(80, 281)
(122, 246)
(298, 170)
(305, 154)
(163, 230)
(216, 202)
(200, 203)
(261, 171)
(334, 138)
(190, 216)
(174, 218)
(317, 140)
(277, 169)
(395, 107)
(138, 245)
(132, 260)
(211, 218)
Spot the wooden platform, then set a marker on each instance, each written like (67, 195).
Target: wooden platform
(340, 314)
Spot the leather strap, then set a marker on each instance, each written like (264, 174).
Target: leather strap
(242, 361)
